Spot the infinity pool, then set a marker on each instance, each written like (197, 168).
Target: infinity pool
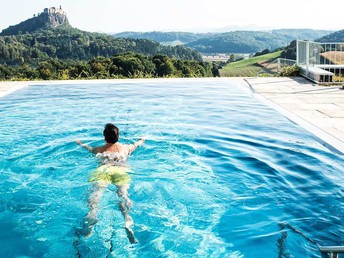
(220, 175)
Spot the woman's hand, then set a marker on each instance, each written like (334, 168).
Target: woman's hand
(139, 142)
(84, 145)
(78, 142)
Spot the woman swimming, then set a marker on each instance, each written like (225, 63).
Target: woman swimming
(113, 170)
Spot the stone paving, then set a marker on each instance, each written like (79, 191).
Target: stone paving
(9, 87)
(320, 109)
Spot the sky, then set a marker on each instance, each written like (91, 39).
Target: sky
(113, 16)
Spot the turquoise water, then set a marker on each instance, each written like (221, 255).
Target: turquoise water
(220, 175)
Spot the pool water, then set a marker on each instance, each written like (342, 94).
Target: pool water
(220, 175)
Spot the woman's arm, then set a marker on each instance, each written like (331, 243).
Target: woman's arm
(136, 144)
(139, 142)
(85, 145)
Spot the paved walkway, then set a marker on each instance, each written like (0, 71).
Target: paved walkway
(9, 87)
(319, 109)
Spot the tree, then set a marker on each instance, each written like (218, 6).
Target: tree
(164, 66)
(232, 58)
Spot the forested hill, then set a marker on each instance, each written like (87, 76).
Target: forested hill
(251, 41)
(337, 36)
(67, 43)
(49, 18)
(39, 39)
(231, 42)
(301, 34)
(239, 42)
(163, 37)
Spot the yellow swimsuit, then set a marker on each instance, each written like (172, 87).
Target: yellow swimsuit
(117, 175)
(114, 170)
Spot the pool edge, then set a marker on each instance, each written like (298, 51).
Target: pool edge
(324, 138)
(327, 140)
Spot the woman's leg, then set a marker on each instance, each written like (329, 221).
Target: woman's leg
(93, 201)
(124, 205)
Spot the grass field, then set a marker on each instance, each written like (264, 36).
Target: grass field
(248, 67)
(336, 57)
(338, 78)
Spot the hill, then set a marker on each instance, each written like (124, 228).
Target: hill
(69, 43)
(238, 42)
(49, 18)
(251, 41)
(49, 35)
(162, 37)
(250, 66)
(337, 36)
(301, 34)
(230, 42)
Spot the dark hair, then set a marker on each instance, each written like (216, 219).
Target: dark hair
(111, 133)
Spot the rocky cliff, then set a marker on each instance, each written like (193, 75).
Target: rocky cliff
(50, 18)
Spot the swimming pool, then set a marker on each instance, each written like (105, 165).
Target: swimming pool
(220, 175)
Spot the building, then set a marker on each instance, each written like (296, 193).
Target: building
(54, 10)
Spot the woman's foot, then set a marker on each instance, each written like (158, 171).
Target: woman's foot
(88, 225)
(130, 235)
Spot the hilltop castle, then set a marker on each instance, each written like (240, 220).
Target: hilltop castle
(50, 18)
(54, 17)
(54, 10)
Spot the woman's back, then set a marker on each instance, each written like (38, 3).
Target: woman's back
(116, 154)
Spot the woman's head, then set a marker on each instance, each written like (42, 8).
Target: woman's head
(111, 133)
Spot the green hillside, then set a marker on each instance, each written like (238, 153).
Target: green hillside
(230, 42)
(162, 37)
(248, 67)
(239, 42)
(47, 47)
(69, 43)
(301, 34)
(337, 36)
(49, 35)
(49, 18)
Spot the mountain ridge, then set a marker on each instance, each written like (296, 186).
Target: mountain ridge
(230, 42)
(337, 36)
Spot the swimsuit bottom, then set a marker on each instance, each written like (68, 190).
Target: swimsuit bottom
(117, 175)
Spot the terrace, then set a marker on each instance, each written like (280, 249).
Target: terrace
(321, 62)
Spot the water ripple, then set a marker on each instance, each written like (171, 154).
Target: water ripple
(220, 174)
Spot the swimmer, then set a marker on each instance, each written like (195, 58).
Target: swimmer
(114, 170)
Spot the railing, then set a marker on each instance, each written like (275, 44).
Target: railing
(332, 251)
(275, 67)
(321, 62)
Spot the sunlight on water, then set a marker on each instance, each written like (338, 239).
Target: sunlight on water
(220, 174)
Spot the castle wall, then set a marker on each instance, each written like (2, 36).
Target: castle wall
(54, 10)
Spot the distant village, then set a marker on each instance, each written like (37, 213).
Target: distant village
(224, 57)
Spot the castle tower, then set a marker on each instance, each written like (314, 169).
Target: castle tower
(54, 10)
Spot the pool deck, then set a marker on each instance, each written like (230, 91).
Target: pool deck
(318, 109)
(9, 87)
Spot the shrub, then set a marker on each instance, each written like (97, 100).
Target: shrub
(287, 71)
